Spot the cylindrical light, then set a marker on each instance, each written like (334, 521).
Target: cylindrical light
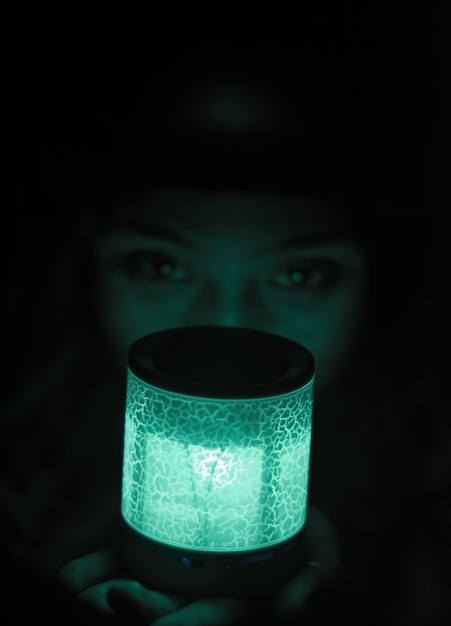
(216, 459)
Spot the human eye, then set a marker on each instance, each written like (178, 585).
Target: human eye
(305, 275)
(155, 266)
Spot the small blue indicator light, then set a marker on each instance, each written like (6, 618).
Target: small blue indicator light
(187, 562)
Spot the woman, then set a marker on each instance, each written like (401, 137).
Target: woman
(211, 200)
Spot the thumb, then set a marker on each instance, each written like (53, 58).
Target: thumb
(321, 562)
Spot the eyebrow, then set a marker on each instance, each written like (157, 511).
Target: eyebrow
(319, 237)
(147, 228)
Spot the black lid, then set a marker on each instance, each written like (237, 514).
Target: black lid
(221, 362)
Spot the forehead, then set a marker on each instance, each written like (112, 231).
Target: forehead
(209, 212)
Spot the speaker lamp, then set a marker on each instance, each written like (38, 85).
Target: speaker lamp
(216, 459)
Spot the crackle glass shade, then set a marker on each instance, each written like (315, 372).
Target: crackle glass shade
(212, 462)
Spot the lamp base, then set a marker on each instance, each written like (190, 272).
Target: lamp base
(247, 574)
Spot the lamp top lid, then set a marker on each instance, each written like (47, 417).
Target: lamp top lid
(221, 362)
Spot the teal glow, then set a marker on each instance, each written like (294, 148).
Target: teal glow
(215, 474)
(218, 468)
(232, 109)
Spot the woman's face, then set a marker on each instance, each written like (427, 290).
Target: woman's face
(277, 263)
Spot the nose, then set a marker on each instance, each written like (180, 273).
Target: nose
(239, 305)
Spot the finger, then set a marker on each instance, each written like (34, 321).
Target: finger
(95, 599)
(320, 563)
(322, 542)
(206, 612)
(293, 595)
(89, 570)
(131, 599)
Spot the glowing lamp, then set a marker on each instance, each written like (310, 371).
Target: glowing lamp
(216, 459)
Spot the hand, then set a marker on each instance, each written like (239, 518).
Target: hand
(99, 585)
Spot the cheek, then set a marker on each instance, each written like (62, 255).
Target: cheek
(335, 335)
(124, 316)
(127, 312)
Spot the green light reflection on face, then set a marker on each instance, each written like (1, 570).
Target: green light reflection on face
(185, 256)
